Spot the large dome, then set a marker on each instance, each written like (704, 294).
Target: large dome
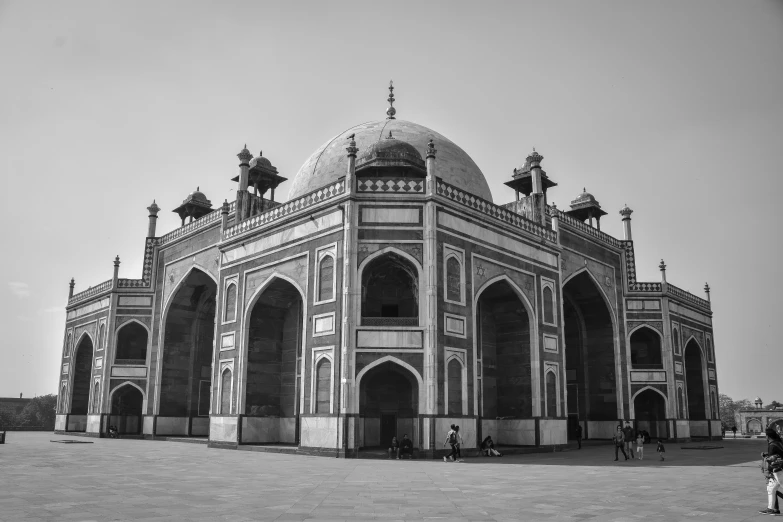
(330, 161)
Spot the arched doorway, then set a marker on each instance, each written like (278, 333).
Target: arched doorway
(80, 397)
(754, 427)
(388, 405)
(504, 347)
(126, 409)
(590, 359)
(650, 413)
(390, 292)
(131, 344)
(274, 340)
(187, 358)
(694, 382)
(646, 349)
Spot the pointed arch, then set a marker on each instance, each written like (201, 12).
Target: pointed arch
(326, 274)
(419, 288)
(123, 384)
(79, 340)
(659, 392)
(226, 390)
(696, 341)
(463, 382)
(600, 289)
(653, 360)
(164, 316)
(147, 345)
(394, 360)
(247, 310)
(535, 363)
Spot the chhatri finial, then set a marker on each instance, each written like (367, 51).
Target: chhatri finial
(390, 137)
(431, 149)
(391, 111)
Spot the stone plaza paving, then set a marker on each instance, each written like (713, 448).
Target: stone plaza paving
(165, 481)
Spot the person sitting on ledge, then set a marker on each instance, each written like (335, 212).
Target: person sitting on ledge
(394, 448)
(406, 447)
(488, 447)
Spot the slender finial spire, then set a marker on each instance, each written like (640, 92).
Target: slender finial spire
(391, 111)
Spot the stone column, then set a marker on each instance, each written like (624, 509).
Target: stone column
(348, 411)
(626, 213)
(153, 209)
(224, 215)
(537, 196)
(116, 271)
(243, 196)
(430, 315)
(556, 222)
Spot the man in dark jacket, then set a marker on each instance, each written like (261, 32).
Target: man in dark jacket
(578, 433)
(628, 437)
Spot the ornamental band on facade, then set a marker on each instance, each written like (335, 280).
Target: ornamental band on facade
(389, 295)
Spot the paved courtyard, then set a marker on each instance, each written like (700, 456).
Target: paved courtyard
(166, 481)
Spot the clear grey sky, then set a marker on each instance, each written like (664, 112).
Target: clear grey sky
(673, 107)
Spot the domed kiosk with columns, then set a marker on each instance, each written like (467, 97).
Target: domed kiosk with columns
(388, 295)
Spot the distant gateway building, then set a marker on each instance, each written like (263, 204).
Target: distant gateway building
(388, 295)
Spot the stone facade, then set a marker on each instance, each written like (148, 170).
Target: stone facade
(377, 303)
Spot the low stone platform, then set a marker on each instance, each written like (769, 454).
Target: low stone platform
(124, 479)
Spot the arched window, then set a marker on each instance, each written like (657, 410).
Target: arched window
(326, 279)
(549, 306)
(646, 349)
(131, 344)
(390, 292)
(323, 386)
(225, 392)
(230, 306)
(455, 387)
(61, 399)
(101, 334)
(453, 279)
(67, 349)
(680, 403)
(676, 341)
(96, 397)
(551, 394)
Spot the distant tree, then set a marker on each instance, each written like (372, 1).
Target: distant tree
(729, 408)
(40, 411)
(772, 405)
(7, 419)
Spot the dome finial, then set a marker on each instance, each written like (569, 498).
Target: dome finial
(391, 111)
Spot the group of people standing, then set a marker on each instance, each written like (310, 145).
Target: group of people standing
(624, 439)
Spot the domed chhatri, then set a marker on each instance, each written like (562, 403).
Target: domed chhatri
(194, 206)
(390, 157)
(329, 162)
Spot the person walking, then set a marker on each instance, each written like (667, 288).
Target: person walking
(628, 437)
(660, 449)
(451, 439)
(578, 433)
(619, 443)
(773, 461)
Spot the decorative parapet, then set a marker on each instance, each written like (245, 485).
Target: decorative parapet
(496, 211)
(687, 296)
(646, 287)
(91, 292)
(197, 224)
(146, 271)
(570, 221)
(291, 207)
(392, 186)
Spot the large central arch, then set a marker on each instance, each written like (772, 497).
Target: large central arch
(505, 344)
(591, 366)
(126, 402)
(273, 340)
(185, 374)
